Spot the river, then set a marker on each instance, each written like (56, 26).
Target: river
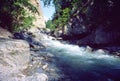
(82, 64)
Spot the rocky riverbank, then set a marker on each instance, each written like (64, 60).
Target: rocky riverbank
(15, 60)
(24, 58)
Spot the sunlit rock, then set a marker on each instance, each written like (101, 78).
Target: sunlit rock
(15, 62)
(38, 77)
(14, 56)
(14, 52)
(39, 21)
(4, 33)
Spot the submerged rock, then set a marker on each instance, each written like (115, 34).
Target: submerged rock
(32, 38)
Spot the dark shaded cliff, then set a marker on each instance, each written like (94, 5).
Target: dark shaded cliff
(95, 23)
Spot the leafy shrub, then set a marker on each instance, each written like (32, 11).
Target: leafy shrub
(15, 14)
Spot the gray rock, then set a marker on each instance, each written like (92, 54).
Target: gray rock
(21, 77)
(32, 39)
(38, 77)
(14, 62)
(14, 56)
(14, 52)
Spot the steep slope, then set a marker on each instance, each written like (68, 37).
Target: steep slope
(39, 22)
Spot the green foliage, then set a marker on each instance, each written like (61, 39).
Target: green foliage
(15, 14)
(26, 23)
(92, 12)
(61, 19)
(50, 25)
(65, 9)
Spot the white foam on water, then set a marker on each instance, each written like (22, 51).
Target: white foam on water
(74, 51)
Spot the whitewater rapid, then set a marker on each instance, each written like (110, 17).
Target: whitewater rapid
(83, 64)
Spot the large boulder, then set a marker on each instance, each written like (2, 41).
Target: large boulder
(14, 52)
(14, 56)
(101, 37)
(14, 60)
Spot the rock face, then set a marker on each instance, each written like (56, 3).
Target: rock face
(100, 35)
(97, 24)
(14, 60)
(14, 56)
(39, 21)
(14, 51)
(76, 26)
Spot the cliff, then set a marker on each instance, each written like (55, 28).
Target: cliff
(39, 21)
(97, 26)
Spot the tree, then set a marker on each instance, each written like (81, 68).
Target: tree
(14, 14)
(93, 12)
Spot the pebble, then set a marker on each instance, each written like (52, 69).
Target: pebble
(45, 66)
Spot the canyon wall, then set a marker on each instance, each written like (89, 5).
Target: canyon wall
(39, 21)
